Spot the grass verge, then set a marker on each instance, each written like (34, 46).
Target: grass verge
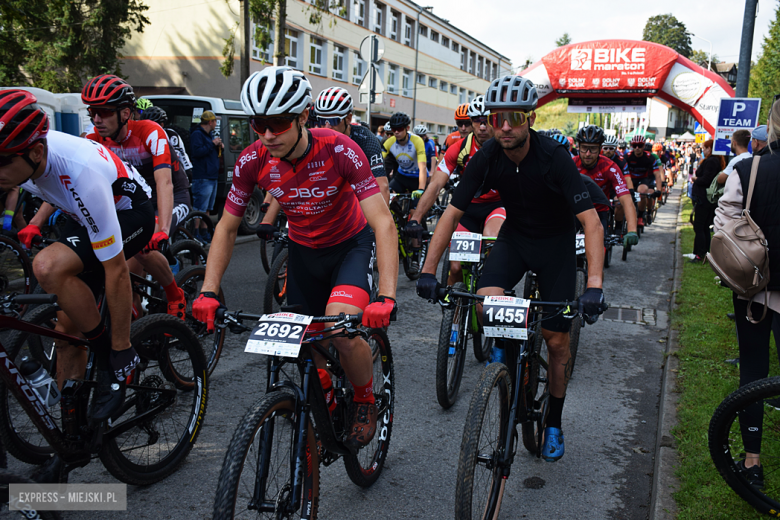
(706, 338)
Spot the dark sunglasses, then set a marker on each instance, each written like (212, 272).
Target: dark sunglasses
(104, 113)
(636, 145)
(5, 160)
(397, 128)
(479, 120)
(277, 125)
(462, 123)
(332, 121)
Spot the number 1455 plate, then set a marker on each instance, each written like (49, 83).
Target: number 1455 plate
(505, 317)
(279, 334)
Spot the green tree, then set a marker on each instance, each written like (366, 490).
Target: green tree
(563, 40)
(668, 30)
(57, 44)
(699, 57)
(765, 74)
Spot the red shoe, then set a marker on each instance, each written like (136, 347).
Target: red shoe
(176, 307)
(640, 221)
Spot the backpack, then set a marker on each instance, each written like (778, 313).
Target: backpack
(739, 253)
(715, 191)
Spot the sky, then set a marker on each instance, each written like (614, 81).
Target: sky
(528, 30)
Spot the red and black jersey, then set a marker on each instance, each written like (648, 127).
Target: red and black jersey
(644, 166)
(607, 175)
(319, 192)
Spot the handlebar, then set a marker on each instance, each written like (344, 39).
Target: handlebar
(223, 315)
(25, 299)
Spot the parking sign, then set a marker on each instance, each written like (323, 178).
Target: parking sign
(734, 114)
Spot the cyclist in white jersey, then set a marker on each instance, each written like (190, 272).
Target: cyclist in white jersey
(110, 213)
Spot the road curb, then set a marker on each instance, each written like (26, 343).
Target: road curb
(665, 483)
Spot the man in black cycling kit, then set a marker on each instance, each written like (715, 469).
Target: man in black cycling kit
(542, 193)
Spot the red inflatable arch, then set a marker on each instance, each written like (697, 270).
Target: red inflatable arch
(629, 69)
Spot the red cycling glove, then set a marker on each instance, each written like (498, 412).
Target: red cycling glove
(204, 309)
(27, 234)
(379, 313)
(154, 243)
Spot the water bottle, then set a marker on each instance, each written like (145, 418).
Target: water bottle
(327, 389)
(175, 267)
(40, 380)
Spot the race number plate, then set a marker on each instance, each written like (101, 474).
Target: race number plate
(279, 334)
(637, 197)
(580, 244)
(505, 317)
(465, 246)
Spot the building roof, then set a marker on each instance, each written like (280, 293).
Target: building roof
(725, 67)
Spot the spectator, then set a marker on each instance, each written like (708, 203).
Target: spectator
(704, 210)
(206, 150)
(758, 139)
(753, 338)
(380, 133)
(739, 146)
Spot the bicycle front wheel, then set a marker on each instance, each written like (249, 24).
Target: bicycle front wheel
(276, 285)
(535, 394)
(170, 385)
(189, 253)
(451, 352)
(265, 439)
(480, 485)
(576, 323)
(16, 273)
(191, 280)
(748, 421)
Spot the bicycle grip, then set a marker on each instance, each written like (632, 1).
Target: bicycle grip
(25, 299)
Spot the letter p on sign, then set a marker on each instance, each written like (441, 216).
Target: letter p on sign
(738, 107)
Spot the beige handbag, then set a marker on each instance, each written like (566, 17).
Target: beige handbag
(739, 253)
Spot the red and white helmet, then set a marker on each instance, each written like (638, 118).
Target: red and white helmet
(333, 102)
(275, 91)
(108, 89)
(638, 139)
(22, 121)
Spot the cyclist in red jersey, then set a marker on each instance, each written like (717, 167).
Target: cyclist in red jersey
(608, 176)
(486, 212)
(144, 144)
(323, 181)
(463, 123)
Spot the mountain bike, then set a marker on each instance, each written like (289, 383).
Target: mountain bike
(275, 294)
(411, 250)
(459, 320)
(270, 249)
(271, 467)
(507, 395)
(751, 413)
(146, 440)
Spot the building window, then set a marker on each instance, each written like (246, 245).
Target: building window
(338, 62)
(463, 58)
(432, 82)
(263, 54)
(462, 97)
(487, 70)
(434, 36)
(291, 48)
(423, 31)
(392, 79)
(454, 90)
(421, 78)
(408, 34)
(441, 129)
(358, 68)
(339, 8)
(360, 12)
(479, 66)
(495, 71)
(406, 84)
(443, 86)
(445, 41)
(377, 18)
(394, 27)
(315, 56)
(455, 47)
(472, 56)
(471, 96)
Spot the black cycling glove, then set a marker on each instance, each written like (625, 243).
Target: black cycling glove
(592, 304)
(414, 229)
(267, 231)
(428, 287)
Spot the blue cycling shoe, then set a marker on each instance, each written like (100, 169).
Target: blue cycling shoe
(553, 448)
(497, 355)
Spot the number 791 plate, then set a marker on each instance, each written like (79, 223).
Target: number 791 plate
(505, 317)
(465, 247)
(279, 334)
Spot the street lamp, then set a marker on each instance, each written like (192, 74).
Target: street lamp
(709, 64)
(416, 55)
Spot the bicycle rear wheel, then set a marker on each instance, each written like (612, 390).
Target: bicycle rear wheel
(274, 416)
(276, 285)
(26, 511)
(171, 383)
(191, 224)
(451, 351)
(191, 280)
(480, 484)
(16, 273)
(365, 467)
(753, 406)
(189, 253)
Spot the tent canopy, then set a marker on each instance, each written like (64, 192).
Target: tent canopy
(648, 135)
(687, 136)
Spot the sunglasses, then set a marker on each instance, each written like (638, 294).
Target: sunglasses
(397, 128)
(462, 123)
(5, 160)
(637, 145)
(277, 125)
(332, 121)
(497, 119)
(589, 150)
(480, 120)
(104, 113)
(608, 148)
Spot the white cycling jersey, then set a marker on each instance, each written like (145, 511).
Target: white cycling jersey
(88, 182)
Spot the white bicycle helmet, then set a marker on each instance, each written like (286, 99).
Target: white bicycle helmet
(333, 102)
(477, 107)
(610, 140)
(420, 130)
(387, 127)
(275, 91)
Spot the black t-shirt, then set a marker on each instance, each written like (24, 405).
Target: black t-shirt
(540, 195)
(369, 143)
(617, 159)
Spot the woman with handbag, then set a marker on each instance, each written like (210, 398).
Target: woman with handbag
(753, 334)
(704, 210)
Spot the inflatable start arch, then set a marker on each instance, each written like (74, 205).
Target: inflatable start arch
(620, 70)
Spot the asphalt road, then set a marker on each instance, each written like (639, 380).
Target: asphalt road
(609, 419)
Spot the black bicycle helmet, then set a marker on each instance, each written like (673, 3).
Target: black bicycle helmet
(511, 93)
(590, 134)
(157, 115)
(399, 119)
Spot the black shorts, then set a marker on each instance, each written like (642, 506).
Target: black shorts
(476, 214)
(404, 183)
(647, 181)
(604, 218)
(137, 226)
(341, 273)
(553, 260)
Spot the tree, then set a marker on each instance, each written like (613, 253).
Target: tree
(765, 74)
(668, 30)
(699, 57)
(563, 40)
(58, 44)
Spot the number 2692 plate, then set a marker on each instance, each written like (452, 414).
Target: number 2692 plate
(279, 334)
(505, 317)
